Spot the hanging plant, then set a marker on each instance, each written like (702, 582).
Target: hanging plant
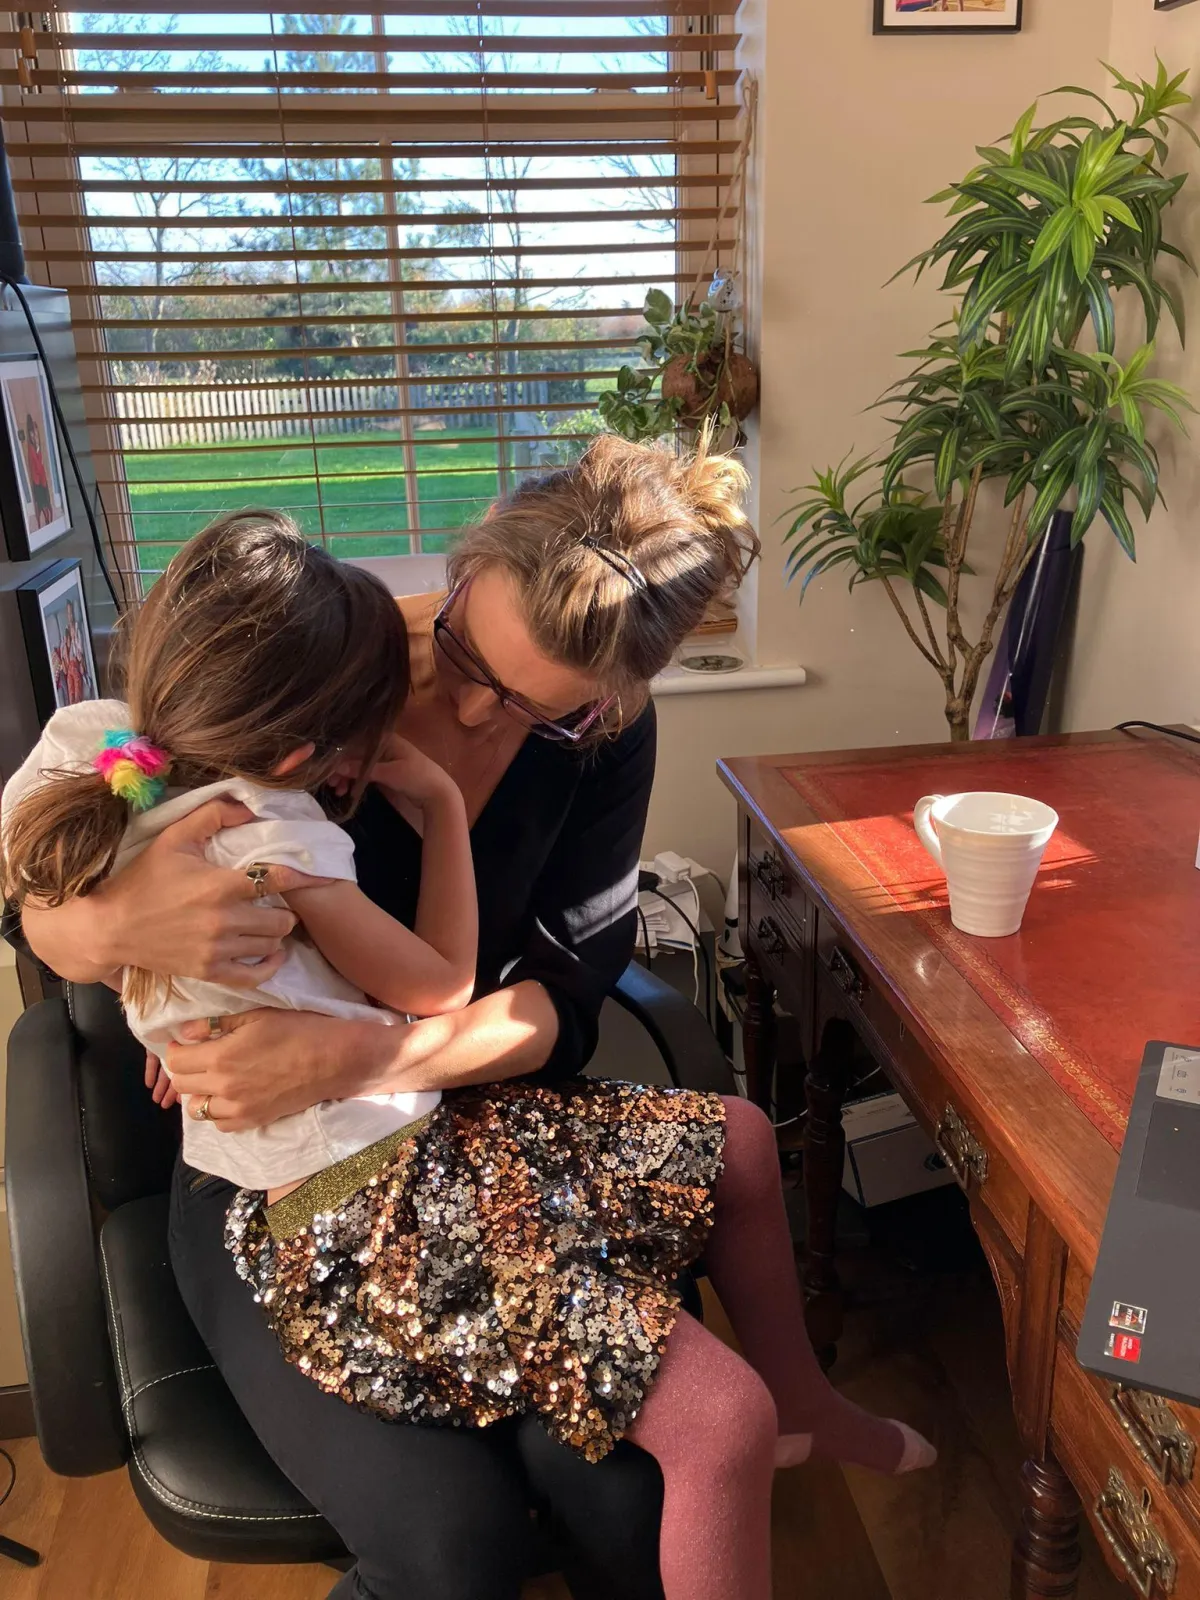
(692, 372)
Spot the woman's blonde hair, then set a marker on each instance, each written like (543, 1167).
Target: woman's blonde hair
(252, 644)
(677, 518)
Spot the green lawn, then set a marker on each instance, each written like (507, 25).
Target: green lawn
(360, 490)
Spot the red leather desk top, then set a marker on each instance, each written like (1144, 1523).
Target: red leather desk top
(1108, 956)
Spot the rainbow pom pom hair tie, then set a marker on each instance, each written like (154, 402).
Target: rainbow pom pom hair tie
(135, 769)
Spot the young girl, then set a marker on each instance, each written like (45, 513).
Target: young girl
(512, 1248)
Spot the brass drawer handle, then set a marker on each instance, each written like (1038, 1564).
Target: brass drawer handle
(960, 1149)
(845, 974)
(1124, 1520)
(770, 938)
(1157, 1433)
(771, 875)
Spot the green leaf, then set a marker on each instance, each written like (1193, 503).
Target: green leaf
(1049, 497)
(1083, 247)
(1053, 236)
(658, 308)
(1113, 511)
(1089, 487)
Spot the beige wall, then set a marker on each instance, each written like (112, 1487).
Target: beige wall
(854, 133)
(1137, 646)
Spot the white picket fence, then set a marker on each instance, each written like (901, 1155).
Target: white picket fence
(165, 420)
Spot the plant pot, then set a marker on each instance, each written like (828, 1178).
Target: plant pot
(733, 381)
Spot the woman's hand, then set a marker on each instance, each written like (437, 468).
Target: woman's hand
(172, 912)
(260, 1065)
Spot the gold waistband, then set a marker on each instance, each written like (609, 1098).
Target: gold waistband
(327, 1190)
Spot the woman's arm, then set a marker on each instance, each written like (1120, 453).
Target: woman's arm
(268, 1064)
(171, 912)
(545, 1020)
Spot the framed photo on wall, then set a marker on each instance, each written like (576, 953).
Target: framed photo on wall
(948, 16)
(58, 639)
(33, 501)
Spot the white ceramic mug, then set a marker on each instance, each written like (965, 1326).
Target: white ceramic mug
(990, 846)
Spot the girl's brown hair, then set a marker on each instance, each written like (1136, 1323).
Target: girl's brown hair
(677, 518)
(252, 644)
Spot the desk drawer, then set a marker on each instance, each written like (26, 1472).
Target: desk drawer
(1165, 1434)
(844, 989)
(776, 890)
(780, 951)
(1148, 1537)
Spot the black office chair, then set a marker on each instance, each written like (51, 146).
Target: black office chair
(117, 1370)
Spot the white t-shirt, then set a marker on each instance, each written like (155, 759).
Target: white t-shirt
(291, 830)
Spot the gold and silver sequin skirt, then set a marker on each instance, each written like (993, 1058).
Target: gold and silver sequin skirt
(516, 1252)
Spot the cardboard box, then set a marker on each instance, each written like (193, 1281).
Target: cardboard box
(887, 1155)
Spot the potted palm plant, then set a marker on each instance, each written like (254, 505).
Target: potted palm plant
(1023, 384)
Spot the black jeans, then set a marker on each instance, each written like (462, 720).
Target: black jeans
(428, 1513)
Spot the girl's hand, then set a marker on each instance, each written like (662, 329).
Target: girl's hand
(405, 772)
(162, 1091)
(265, 1064)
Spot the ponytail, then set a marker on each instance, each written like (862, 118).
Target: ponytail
(61, 840)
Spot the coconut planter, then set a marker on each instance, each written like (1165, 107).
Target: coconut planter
(719, 378)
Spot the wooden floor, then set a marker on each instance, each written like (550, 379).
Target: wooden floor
(924, 1347)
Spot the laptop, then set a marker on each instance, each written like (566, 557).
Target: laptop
(1142, 1322)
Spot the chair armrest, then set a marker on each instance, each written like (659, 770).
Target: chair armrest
(64, 1327)
(685, 1041)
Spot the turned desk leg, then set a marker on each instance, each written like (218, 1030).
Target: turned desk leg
(825, 1088)
(1046, 1551)
(758, 1034)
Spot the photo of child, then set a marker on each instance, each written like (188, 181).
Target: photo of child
(33, 441)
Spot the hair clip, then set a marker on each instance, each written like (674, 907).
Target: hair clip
(619, 562)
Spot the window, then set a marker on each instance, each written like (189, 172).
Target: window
(371, 268)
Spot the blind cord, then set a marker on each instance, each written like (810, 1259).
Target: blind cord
(120, 601)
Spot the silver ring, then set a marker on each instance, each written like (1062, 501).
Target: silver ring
(203, 1114)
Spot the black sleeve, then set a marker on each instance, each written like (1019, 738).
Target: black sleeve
(584, 901)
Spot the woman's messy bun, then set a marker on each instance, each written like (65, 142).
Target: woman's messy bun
(618, 557)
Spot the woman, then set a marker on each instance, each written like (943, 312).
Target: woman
(563, 605)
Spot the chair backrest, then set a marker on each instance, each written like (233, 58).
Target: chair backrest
(130, 1144)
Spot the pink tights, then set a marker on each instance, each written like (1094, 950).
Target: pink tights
(712, 1420)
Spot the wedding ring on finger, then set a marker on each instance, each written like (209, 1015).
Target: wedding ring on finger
(215, 1030)
(257, 873)
(202, 1113)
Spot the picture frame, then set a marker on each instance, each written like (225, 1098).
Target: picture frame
(58, 638)
(33, 497)
(950, 16)
(1170, 5)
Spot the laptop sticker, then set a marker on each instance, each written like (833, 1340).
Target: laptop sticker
(1179, 1075)
(1124, 1347)
(1131, 1318)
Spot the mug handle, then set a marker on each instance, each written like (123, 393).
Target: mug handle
(926, 831)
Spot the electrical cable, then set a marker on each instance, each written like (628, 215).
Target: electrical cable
(695, 931)
(12, 1548)
(122, 600)
(1157, 727)
(646, 938)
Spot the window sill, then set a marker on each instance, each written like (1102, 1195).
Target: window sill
(678, 680)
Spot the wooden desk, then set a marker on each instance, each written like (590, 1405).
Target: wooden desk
(848, 953)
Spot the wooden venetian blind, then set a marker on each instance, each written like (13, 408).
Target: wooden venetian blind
(372, 268)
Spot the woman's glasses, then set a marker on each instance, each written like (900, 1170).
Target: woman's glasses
(470, 666)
